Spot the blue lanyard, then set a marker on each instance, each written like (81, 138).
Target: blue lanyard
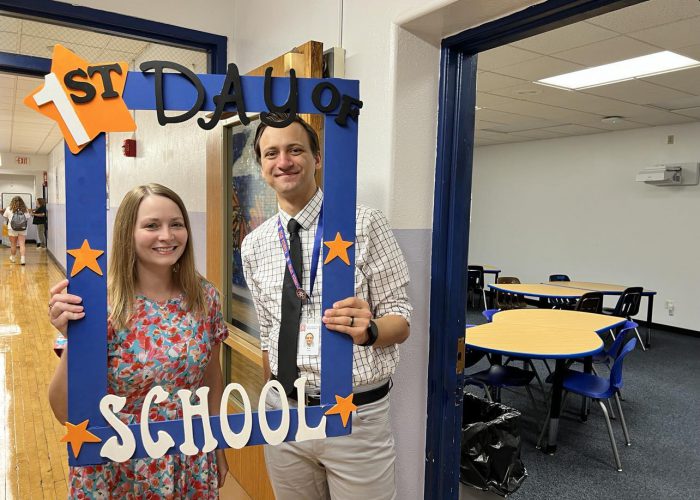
(315, 254)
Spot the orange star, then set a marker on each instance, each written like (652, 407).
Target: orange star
(100, 108)
(85, 257)
(343, 407)
(76, 435)
(338, 248)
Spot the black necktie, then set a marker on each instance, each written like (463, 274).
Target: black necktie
(291, 313)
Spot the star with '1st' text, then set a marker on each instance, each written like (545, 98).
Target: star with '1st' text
(85, 257)
(337, 248)
(76, 435)
(343, 407)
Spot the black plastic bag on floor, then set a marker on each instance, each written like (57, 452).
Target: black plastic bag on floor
(490, 457)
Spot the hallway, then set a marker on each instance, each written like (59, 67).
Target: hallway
(33, 463)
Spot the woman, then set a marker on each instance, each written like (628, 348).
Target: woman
(165, 328)
(39, 221)
(17, 215)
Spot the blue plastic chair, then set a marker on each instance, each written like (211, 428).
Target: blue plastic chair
(558, 277)
(497, 376)
(600, 389)
(488, 314)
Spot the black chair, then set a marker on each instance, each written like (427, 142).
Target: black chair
(561, 303)
(475, 284)
(591, 302)
(558, 277)
(628, 306)
(505, 300)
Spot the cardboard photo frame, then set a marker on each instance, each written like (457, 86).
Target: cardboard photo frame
(89, 404)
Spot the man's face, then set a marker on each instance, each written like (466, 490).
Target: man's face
(288, 165)
(309, 339)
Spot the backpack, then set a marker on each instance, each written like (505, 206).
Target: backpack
(18, 221)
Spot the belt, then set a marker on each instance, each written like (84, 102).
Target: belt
(359, 398)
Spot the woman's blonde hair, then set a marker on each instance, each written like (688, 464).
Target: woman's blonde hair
(17, 204)
(122, 272)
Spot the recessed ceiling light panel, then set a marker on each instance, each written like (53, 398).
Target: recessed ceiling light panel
(637, 67)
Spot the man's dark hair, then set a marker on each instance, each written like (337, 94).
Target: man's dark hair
(281, 117)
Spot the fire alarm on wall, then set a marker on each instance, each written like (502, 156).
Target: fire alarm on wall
(129, 148)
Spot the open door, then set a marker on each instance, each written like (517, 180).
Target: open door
(230, 217)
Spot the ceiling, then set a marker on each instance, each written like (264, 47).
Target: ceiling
(513, 109)
(25, 131)
(510, 107)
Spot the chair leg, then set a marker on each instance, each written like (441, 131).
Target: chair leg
(537, 376)
(483, 291)
(622, 421)
(549, 370)
(641, 342)
(612, 436)
(545, 424)
(612, 413)
(532, 398)
(488, 394)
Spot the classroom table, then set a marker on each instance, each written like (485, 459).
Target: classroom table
(490, 270)
(611, 289)
(544, 334)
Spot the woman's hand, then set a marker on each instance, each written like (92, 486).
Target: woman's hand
(64, 307)
(349, 316)
(222, 466)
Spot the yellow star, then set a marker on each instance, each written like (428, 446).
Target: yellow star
(85, 257)
(76, 435)
(343, 407)
(338, 248)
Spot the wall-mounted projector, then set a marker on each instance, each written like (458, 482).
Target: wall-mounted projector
(671, 174)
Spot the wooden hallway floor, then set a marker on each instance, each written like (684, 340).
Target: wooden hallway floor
(33, 462)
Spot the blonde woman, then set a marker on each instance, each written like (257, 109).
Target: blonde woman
(17, 215)
(165, 328)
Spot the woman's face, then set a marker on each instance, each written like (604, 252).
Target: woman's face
(160, 235)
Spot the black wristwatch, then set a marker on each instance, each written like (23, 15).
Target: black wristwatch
(372, 333)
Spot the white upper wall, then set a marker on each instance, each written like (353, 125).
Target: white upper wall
(572, 206)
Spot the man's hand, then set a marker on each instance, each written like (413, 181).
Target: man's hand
(349, 316)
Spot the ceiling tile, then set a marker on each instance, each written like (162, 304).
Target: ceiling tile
(539, 133)
(670, 36)
(678, 104)
(687, 80)
(608, 51)
(126, 44)
(647, 15)
(9, 42)
(690, 112)
(10, 24)
(43, 47)
(692, 51)
(487, 81)
(63, 34)
(572, 129)
(637, 92)
(536, 69)
(504, 56)
(568, 37)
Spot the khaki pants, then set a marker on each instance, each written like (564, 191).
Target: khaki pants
(359, 466)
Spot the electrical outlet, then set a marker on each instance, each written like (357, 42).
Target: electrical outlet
(671, 308)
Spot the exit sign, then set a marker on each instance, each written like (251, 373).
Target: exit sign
(22, 160)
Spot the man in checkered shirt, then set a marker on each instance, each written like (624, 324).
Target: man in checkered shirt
(360, 465)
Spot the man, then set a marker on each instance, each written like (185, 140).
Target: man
(360, 465)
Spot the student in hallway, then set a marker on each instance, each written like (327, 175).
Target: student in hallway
(17, 215)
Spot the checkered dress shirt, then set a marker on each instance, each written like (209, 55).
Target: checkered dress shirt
(381, 277)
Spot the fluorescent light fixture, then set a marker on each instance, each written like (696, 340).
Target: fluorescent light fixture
(637, 67)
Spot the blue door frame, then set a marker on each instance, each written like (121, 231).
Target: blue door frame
(453, 185)
(106, 22)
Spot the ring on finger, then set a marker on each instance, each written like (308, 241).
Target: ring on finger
(352, 321)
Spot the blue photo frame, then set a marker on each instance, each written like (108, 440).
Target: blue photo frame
(86, 219)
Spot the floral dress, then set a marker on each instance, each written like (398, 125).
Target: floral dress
(165, 346)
